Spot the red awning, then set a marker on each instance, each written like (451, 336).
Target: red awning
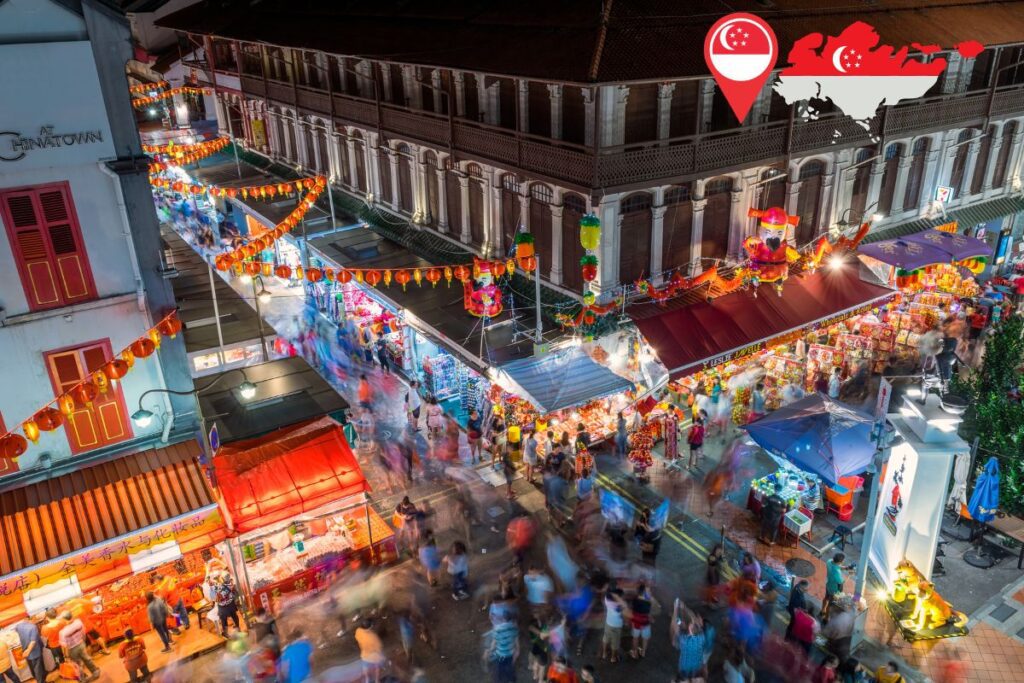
(735, 325)
(285, 473)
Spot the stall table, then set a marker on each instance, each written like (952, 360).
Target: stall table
(1014, 528)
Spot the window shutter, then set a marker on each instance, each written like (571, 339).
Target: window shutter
(31, 250)
(72, 265)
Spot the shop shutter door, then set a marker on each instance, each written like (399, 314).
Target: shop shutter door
(65, 372)
(405, 184)
(31, 251)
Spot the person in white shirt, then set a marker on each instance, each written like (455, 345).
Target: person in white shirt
(614, 609)
(72, 639)
(539, 588)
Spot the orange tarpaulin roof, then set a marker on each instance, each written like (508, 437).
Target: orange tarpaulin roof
(285, 473)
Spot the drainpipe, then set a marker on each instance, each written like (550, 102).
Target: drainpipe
(140, 290)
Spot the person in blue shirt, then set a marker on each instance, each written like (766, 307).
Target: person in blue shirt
(584, 486)
(294, 665)
(31, 648)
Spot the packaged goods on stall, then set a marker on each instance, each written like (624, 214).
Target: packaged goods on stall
(440, 378)
(854, 350)
(798, 489)
(820, 359)
(780, 372)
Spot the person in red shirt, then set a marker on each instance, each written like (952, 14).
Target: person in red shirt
(978, 319)
(51, 634)
(561, 672)
(695, 438)
(133, 654)
(826, 673)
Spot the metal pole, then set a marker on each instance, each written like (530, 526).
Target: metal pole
(259, 321)
(216, 315)
(305, 249)
(330, 201)
(536, 294)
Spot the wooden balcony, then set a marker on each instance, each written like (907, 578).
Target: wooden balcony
(634, 166)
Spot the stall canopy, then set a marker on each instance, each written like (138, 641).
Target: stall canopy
(561, 379)
(818, 435)
(285, 473)
(709, 333)
(926, 249)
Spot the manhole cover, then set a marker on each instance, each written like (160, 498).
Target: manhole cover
(798, 567)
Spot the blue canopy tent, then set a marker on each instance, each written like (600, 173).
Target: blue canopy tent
(982, 508)
(818, 435)
(561, 379)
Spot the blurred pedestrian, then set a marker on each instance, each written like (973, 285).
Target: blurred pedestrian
(716, 558)
(797, 600)
(615, 610)
(539, 589)
(158, 612)
(538, 649)
(804, 628)
(688, 637)
(413, 403)
(835, 578)
(430, 559)
(766, 603)
(826, 673)
(530, 455)
(72, 639)
(227, 605)
(502, 651)
(695, 439)
(458, 568)
(640, 621)
(364, 392)
(264, 627)
(31, 647)
(382, 356)
(508, 468)
(371, 651)
(621, 436)
(561, 672)
(133, 655)
(474, 433)
(750, 569)
(295, 665)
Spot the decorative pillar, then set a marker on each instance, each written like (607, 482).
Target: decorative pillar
(607, 280)
(973, 148)
(665, 91)
(442, 200)
(613, 114)
(902, 172)
(705, 100)
(481, 99)
(353, 172)
(302, 144)
(826, 199)
(932, 164)
(1013, 166)
(993, 156)
(555, 274)
(696, 234)
(395, 198)
(421, 192)
(466, 235)
(372, 148)
(657, 239)
(271, 129)
(436, 89)
(737, 219)
(493, 95)
(524, 207)
(792, 197)
(459, 81)
(412, 90)
(492, 213)
(874, 182)
(555, 95)
(388, 93)
(222, 116)
(314, 136)
(588, 116)
(523, 93)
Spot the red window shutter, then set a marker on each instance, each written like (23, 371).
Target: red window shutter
(106, 421)
(47, 242)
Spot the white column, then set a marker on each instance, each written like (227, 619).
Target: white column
(442, 199)
(613, 114)
(1013, 167)
(222, 116)
(482, 105)
(493, 94)
(523, 94)
(353, 172)
(373, 170)
(466, 235)
(555, 274)
(875, 183)
(951, 76)
(385, 83)
(314, 136)
(973, 149)
(696, 234)
(826, 200)
(301, 131)
(420, 185)
(996, 144)
(607, 252)
(657, 239)
(271, 125)
(396, 193)
(932, 164)
(665, 91)
(436, 89)
(705, 101)
(492, 213)
(792, 196)
(902, 172)
(737, 218)
(555, 95)
(459, 81)
(524, 208)
(588, 116)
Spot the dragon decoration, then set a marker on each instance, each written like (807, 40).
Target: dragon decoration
(769, 259)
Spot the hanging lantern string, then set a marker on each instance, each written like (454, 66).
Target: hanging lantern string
(260, 192)
(142, 88)
(140, 102)
(172, 154)
(168, 326)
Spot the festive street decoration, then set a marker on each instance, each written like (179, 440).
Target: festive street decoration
(57, 411)
(142, 88)
(589, 313)
(524, 245)
(141, 102)
(483, 297)
(181, 155)
(768, 252)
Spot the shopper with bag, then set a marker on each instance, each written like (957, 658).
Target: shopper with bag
(695, 438)
(158, 613)
(72, 639)
(7, 664)
(133, 655)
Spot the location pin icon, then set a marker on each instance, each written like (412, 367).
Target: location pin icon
(741, 49)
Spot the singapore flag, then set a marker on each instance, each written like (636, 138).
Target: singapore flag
(853, 73)
(740, 49)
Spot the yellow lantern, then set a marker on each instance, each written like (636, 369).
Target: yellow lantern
(514, 434)
(590, 232)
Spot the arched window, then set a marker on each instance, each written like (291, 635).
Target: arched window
(677, 194)
(1002, 161)
(677, 226)
(956, 177)
(635, 254)
(474, 170)
(981, 164)
(808, 204)
(891, 168)
(510, 182)
(861, 180)
(541, 193)
(915, 176)
(540, 220)
(715, 229)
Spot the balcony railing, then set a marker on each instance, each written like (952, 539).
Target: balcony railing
(665, 160)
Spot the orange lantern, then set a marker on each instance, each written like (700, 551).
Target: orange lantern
(402, 277)
(12, 446)
(313, 274)
(115, 369)
(85, 393)
(344, 276)
(267, 268)
(66, 404)
(128, 357)
(170, 326)
(238, 267)
(373, 277)
(31, 430)
(48, 419)
(461, 273)
(359, 276)
(253, 267)
(249, 250)
(498, 268)
(329, 274)
(529, 264)
(510, 266)
(142, 347)
(283, 272)
(433, 276)
(222, 262)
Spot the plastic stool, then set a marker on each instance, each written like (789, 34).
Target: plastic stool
(841, 536)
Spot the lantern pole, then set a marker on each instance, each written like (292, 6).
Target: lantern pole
(216, 316)
(536, 295)
(330, 201)
(259, 319)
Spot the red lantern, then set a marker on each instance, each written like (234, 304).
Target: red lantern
(283, 272)
(498, 268)
(402, 277)
(222, 263)
(529, 264)
(49, 419)
(253, 267)
(85, 393)
(373, 277)
(12, 446)
(169, 327)
(433, 276)
(249, 250)
(115, 369)
(313, 274)
(589, 317)
(344, 276)
(588, 267)
(177, 186)
(461, 273)
(142, 347)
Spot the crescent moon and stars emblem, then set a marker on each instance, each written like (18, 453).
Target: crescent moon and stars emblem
(845, 58)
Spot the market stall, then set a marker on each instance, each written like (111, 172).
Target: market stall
(295, 502)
